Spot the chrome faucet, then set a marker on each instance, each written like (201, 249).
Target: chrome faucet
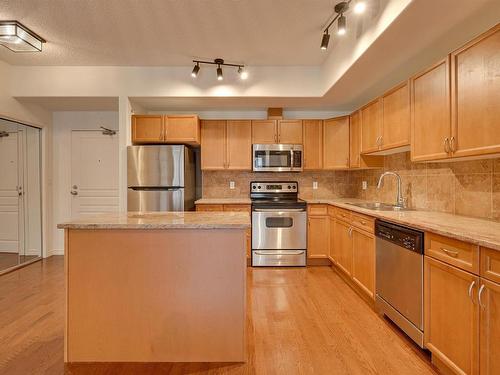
(400, 201)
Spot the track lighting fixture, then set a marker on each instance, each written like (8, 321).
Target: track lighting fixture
(340, 10)
(219, 62)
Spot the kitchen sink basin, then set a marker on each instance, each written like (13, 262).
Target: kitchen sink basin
(378, 206)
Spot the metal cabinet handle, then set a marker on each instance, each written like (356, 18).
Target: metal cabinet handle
(74, 192)
(481, 289)
(350, 232)
(446, 145)
(363, 222)
(451, 253)
(452, 144)
(470, 291)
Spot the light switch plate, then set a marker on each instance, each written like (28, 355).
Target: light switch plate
(364, 185)
(231, 185)
(315, 185)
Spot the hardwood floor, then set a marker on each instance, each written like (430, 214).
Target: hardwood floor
(300, 321)
(8, 260)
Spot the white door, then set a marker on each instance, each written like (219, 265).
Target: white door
(94, 173)
(11, 218)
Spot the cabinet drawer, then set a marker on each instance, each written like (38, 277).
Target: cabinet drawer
(317, 209)
(490, 264)
(457, 253)
(342, 214)
(363, 222)
(237, 207)
(331, 211)
(209, 207)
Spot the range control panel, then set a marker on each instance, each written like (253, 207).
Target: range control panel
(274, 187)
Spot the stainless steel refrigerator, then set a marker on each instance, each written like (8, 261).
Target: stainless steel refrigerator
(160, 178)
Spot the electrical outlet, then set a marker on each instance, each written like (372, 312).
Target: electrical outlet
(231, 185)
(364, 185)
(315, 185)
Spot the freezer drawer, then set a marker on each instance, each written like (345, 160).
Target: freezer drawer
(155, 200)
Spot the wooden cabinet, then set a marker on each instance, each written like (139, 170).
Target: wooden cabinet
(371, 126)
(430, 113)
(356, 160)
(363, 260)
(490, 264)
(475, 96)
(147, 129)
(451, 316)
(277, 131)
(226, 145)
(151, 129)
(239, 144)
(313, 144)
(210, 207)
(213, 145)
(333, 250)
(395, 118)
(336, 143)
(290, 131)
(264, 131)
(457, 253)
(318, 228)
(489, 363)
(343, 246)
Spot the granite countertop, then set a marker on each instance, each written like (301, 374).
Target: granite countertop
(162, 220)
(477, 231)
(223, 201)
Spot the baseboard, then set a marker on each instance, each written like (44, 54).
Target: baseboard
(318, 261)
(54, 252)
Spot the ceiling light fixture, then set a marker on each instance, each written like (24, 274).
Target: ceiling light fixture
(220, 63)
(18, 38)
(340, 10)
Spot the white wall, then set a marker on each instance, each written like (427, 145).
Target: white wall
(63, 124)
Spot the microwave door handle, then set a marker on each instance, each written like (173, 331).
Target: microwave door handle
(291, 160)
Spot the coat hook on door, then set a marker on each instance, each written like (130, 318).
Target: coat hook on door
(106, 131)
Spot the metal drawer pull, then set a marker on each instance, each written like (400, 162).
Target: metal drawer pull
(470, 291)
(297, 252)
(452, 144)
(446, 145)
(451, 253)
(363, 222)
(479, 296)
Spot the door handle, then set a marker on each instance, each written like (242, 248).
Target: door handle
(74, 192)
(481, 289)
(470, 291)
(452, 144)
(446, 145)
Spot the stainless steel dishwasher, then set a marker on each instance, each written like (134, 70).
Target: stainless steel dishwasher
(399, 277)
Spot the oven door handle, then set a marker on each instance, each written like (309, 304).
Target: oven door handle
(279, 210)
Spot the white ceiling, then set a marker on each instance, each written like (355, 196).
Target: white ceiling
(172, 32)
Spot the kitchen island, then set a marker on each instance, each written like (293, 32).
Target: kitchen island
(156, 287)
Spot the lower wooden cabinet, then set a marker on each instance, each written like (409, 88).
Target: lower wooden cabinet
(343, 246)
(363, 261)
(317, 237)
(332, 249)
(451, 328)
(489, 328)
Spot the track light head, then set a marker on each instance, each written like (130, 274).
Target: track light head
(242, 72)
(220, 77)
(360, 7)
(325, 40)
(341, 25)
(196, 70)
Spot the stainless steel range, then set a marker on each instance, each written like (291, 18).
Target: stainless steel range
(279, 224)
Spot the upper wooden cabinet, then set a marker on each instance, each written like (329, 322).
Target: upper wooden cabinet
(226, 144)
(475, 96)
(151, 129)
(313, 144)
(277, 131)
(395, 118)
(430, 115)
(290, 131)
(371, 126)
(356, 160)
(336, 143)
(264, 131)
(147, 129)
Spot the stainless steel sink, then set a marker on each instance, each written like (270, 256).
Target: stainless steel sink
(378, 206)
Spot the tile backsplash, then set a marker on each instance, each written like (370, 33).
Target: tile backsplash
(470, 188)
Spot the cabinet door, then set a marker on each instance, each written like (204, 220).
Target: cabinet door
(343, 246)
(363, 261)
(239, 145)
(476, 96)
(147, 129)
(290, 131)
(355, 140)
(264, 131)
(451, 317)
(317, 237)
(371, 125)
(213, 144)
(313, 144)
(210, 207)
(430, 113)
(182, 129)
(490, 328)
(396, 118)
(336, 143)
(333, 249)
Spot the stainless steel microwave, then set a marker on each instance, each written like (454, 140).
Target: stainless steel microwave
(277, 158)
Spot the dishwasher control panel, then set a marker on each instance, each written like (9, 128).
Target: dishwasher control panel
(407, 238)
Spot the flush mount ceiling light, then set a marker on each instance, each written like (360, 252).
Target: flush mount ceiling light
(18, 38)
(340, 9)
(219, 62)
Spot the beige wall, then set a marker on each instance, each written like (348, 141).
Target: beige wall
(470, 188)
